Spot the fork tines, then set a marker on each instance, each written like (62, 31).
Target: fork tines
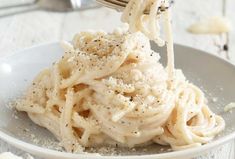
(114, 4)
(120, 5)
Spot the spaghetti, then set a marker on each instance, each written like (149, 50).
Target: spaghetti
(111, 89)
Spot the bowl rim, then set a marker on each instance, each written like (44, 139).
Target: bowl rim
(49, 152)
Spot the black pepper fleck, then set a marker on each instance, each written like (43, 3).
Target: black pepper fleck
(225, 47)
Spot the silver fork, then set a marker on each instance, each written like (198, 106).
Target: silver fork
(119, 5)
(49, 5)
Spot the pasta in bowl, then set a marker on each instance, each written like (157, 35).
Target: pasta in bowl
(110, 89)
(19, 70)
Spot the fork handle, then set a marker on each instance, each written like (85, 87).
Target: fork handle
(18, 5)
(10, 10)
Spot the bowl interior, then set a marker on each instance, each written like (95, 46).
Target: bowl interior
(215, 76)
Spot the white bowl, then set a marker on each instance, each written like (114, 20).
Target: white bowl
(215, 76)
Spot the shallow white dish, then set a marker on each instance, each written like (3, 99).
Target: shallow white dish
(215, 76)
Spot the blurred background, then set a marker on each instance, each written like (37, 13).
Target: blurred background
(43, 21)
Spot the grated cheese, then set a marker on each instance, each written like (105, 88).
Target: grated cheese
(211, 25)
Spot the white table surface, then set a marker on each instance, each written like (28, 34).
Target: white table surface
(24, 30)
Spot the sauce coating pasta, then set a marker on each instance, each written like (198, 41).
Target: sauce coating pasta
(110, 88)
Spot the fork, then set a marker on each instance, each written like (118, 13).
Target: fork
(120, 5)
(49, 5)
